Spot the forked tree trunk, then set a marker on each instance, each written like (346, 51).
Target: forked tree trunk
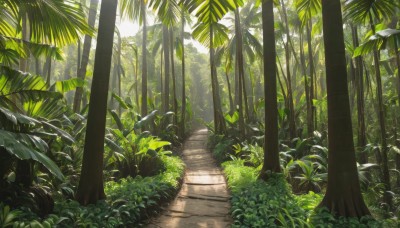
(91, 186)
(271, 150)
(343, 195)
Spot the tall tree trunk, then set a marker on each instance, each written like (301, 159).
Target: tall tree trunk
(144, 60)
(343, 195)
(219, 121)
(166, 67)
(239, 63)
(231, 105)
(38, 66)
(312, 111)
(361, 134)
(48, 79)
(87, 44)
(382, 124)
(292, 123)
(174, 100)
(119, 70)
(310, 125)
(271, 149)
(91, 186)
(183, 108)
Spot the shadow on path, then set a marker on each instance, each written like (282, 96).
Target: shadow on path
(203, 200)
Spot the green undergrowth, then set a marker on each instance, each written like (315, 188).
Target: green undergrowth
(129, 201)
(256, 203)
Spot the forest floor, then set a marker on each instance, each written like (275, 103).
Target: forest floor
(203, 200)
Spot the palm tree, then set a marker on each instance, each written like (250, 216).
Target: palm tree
(343, 195)
(271, 150)
(91, 186)
(53, 22)
(306, 9)
(212, 34)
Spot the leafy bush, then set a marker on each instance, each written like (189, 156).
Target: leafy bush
(256, 203)
(129, 201)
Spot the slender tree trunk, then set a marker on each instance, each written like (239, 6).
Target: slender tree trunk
(91, 186)
(87, 43)
(292, 122)
(183, 108)
(137, 81)
(161, 79)
(271, 150)
(166, 67)
(144, 60)
(48, 80)
(231, 105)
(239, 63)
(382, 124)
(37, 66)
(343, 195)
(174, 100)
(310, 125)
(312, 111)
(219, 121)
(362, 138)
(119, 70)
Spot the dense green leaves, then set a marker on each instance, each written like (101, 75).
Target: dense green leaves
(58, 22)
(359, 10)
(378, 41)
(23, 147)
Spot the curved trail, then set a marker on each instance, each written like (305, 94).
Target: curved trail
(203, 200)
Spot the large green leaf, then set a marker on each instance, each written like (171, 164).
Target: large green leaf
(168, 11)
(155, 144)
(69, 85)
(145, 120)
(16, 145)
(359, 10)
(378, 41)
(307, 8)
(58, 22)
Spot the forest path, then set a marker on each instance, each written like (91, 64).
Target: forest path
(203, 200)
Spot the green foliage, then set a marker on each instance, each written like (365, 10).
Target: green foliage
(256, 203)
(7, 216)
(129, 201)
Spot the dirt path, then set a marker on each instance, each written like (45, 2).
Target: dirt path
(203, 200)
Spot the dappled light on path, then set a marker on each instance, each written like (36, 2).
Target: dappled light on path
(203, 200)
